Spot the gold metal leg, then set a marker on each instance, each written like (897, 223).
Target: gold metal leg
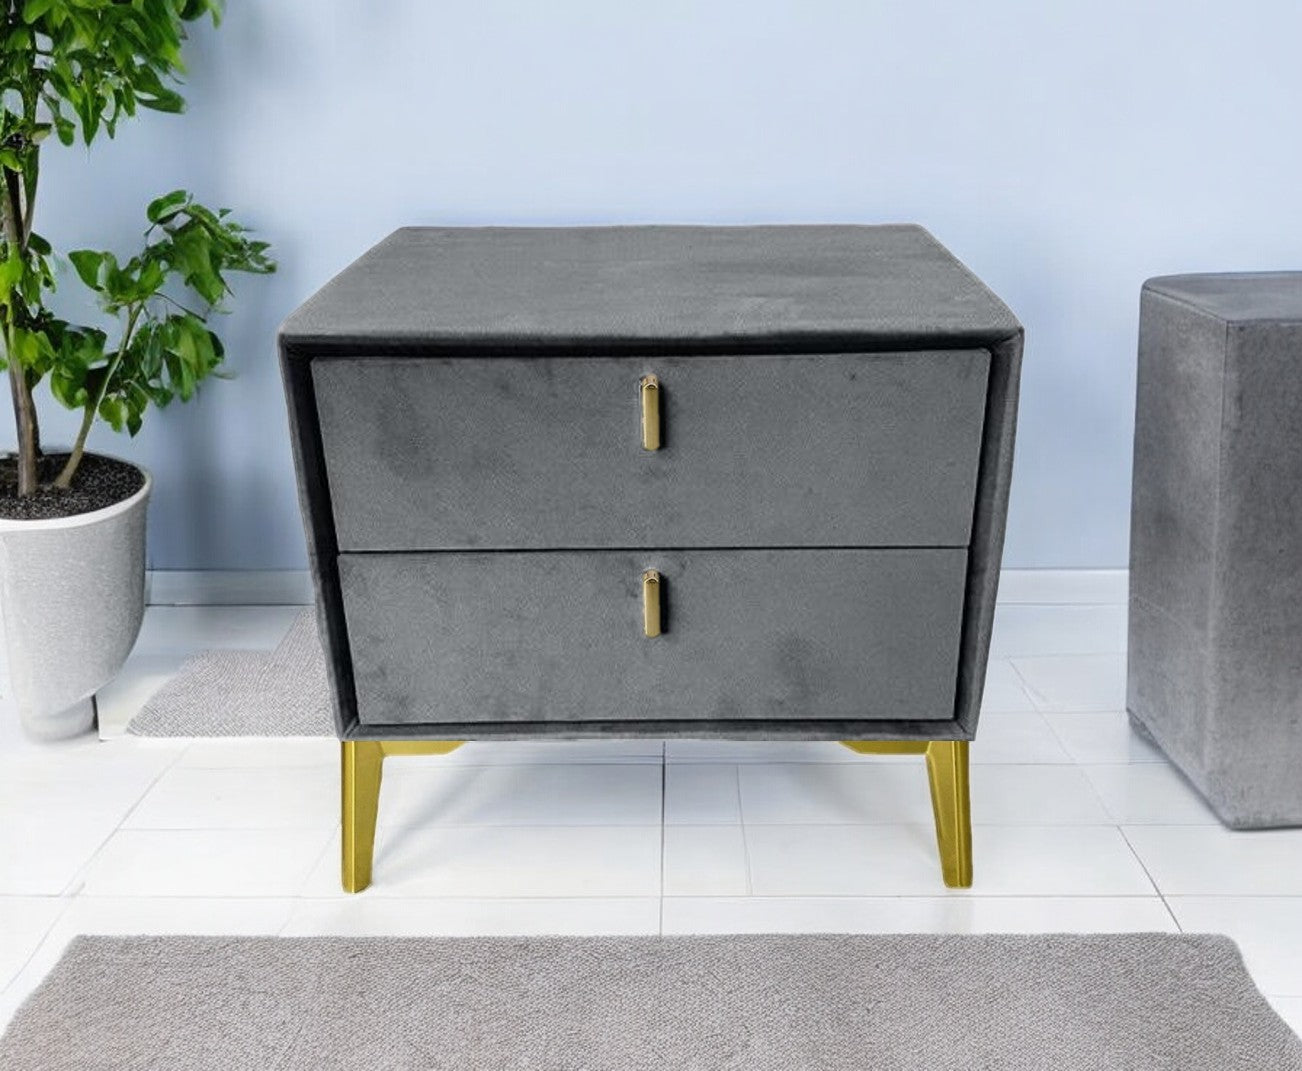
(362, 764)
(362, 767)
(950, 803)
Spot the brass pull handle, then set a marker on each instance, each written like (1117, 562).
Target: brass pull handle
(651, 603)
(649, 389)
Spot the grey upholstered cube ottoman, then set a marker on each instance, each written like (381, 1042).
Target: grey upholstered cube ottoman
(1215, 673)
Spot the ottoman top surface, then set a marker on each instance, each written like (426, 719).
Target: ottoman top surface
(593, 287)
(1237, 297)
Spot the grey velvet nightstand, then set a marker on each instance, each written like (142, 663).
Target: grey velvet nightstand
(657, 481)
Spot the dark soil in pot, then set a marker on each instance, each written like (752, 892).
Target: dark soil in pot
(99, 482)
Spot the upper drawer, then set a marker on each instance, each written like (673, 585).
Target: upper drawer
(432, 453)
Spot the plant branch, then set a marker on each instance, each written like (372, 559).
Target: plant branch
(29, 206)
(31, 102)
(172, 301)
(25, 421)
(19, 389)
(64, 479)
(16, 230)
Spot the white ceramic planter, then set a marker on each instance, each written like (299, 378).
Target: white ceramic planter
(72, 594)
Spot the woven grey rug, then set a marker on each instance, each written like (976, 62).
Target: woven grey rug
(768, 1003)
(246, 693)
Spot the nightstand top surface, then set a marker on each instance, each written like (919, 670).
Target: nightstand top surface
(1237, 297)
(594, 287)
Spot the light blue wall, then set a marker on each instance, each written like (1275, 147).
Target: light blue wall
(1065, 151)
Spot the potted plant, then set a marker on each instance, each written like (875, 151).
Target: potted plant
(72, 522)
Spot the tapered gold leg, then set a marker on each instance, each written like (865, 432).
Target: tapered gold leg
(950, 804)
(362, 767)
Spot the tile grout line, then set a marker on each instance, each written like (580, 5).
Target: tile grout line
(300, 895)
(1032, 696)
(380, 896)
(1151, 879)
(1054, 733)
(78, 879)
(745, 841)
(66, 906)
(1103, 804)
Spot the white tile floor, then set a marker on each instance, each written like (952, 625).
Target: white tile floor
(1080, 825)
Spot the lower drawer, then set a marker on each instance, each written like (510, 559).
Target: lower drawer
(746, 634)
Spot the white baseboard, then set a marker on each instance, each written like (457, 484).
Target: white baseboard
(1064, 586)
(228, 587)
(293, 587)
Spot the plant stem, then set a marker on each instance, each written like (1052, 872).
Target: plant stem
(19, 388)
(36, 423)
(30, 176)
(69, 470)
(25, 421)
(29, 201)
(15, 229)
(64, 479)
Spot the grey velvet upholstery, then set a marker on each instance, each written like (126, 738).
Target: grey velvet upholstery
(587, 288)
(785, 450)
(774, 635)
(1215, 672)
(881, 418)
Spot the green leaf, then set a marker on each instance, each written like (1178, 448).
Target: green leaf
(69, 389)
(193, 254)
(31, 349)
(150, 279)
(162, 208)
(34, 9)
(88, 263)
(205, 353)
(164, 101)
(193, 9)
(113, 412)
(86, 104)
(21, 347)
(60, 75)
(11, 270)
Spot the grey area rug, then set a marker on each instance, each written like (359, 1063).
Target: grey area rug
(283, 692)
(795, 1003)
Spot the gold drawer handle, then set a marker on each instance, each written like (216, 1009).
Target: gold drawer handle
(651, 602)
(650, 391)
